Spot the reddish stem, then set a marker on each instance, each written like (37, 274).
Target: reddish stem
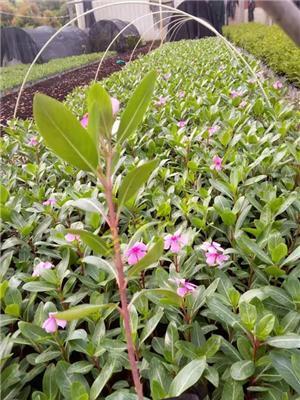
(113, 222)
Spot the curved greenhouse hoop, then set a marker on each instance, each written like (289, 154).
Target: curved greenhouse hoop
(152, 43)
(119, 34)
(235, 52)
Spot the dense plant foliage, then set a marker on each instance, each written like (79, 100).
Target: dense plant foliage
(219, 309)
(13, 75)
(270, 44)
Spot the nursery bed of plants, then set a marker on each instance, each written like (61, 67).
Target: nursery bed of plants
(13, 76)
(270, 44)
(207, 193)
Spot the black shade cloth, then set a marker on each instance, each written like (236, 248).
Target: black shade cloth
(71, 41)
(191, 29)
(103, 32)
(217, 12)
(16, 46)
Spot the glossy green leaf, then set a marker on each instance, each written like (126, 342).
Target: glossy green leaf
(4, 194)
(248, 315)
(253, 248)
(94, 242)
(64, 134)
(150, 258)
(264, 326)
(233, 390)
(102, 380)
(82, 311)
(151, 324)
(285, 342)
(50, 387)
(283, 365)
(279, 252)
(100, 114)
(136, 107)
(294, 256)
(134, 180)
(187, 377)
(242, 370)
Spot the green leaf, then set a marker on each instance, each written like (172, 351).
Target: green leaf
(264, 326)
(296, 363)
(279, 252)
(82, 311)
(242, 370)
(94, 242)
(102, 379)
(100, 113)
(212, 345)
(12, 309)
(294, 256)
(282, 363)
(285, 342)
(134, 180)
(223, 313)
(50, 387)
(151, 324)
(187, 377)
(78, 391)
(64, 134)
(4, 194)
(39, 287)
(233, 390)
(171, 339)
(150, 258)
(253, 248)
(136, 108)
(248, 315)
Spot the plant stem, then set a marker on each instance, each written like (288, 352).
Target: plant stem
(113, 222)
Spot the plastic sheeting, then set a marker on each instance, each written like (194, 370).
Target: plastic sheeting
(103, 32)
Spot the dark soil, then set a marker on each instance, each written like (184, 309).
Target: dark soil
(60, 85)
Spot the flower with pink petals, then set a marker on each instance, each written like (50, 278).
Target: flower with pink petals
(167, 76)
(182, 123)
(277, 85)
(213, 129)
(37, 270)
(181, 94)
(217, 163)
(235, 93)
(242, 104)
(115, 105)
(252, 81)
(70, 237)
(135, 253)
(175, 242)
(214, 253)
(161, 101)
(33, 142)
(184, 287)
(51, 324)
(85, 120)
(50, 202)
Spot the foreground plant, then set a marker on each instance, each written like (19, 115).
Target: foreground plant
(96, 150)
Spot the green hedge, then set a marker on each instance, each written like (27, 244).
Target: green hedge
(270, 44)
(13, 76)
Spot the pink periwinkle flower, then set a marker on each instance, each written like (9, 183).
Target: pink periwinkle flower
(181, 94)
(33, 141)
(70, 237)
(277, 85)
(182, 123)
(49, 202)
(161, 101)
(214, 253)
(167, 76)
(115, 104)
(217, 163)
(242, 104)
(175, 242)
(135, 253)
(51, 324)
(37, 270)
(213, 129)
(235, 93)
(184, 287)
(85, 120)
